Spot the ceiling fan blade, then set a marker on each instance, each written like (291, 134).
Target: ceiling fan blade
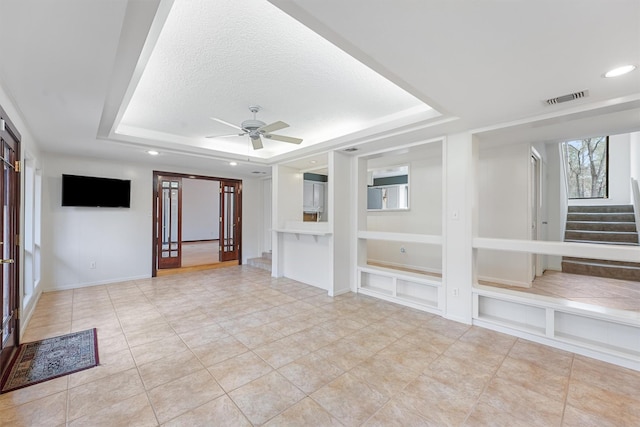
(273, 127)
(225, 136)
(225, 123)
(284, 138)
(256, 142)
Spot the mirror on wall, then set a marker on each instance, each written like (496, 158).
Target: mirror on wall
(388, 188)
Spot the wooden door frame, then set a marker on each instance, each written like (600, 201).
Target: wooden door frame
(15, 219)
(160, 213)
(237, 216)
(154, 222)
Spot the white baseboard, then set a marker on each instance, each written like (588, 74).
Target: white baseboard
(505, 282)
(340, 292)
(66, 287)
(25, 315)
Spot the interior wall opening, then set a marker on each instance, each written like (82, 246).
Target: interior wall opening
(604, 215)
(197, 222)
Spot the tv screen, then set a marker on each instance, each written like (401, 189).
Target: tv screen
(89, 191)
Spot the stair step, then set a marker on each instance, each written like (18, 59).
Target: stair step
(601, 226)
(601, 261)
(600, 242)
(266, 255)
(601, 236)
(601, 270)
(263, 263)
(597, 216)
(602, 208)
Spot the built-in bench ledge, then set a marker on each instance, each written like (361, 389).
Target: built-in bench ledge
(314, 229)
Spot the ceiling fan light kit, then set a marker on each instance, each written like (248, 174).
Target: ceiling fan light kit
(256, 129)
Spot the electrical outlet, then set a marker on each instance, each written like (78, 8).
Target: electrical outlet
(456, 292)
(402, 249)
(92, 265)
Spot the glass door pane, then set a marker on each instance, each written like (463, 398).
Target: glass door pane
(170, 210)
(229, 220)
(9, 179)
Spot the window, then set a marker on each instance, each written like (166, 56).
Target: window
(586, 163)
(32, 194)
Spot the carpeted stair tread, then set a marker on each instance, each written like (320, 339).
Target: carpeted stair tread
(600, 261)
(597, 216)
(601, 226)
(602, 270)
(602, 208)
(600, 242)
(602, 236)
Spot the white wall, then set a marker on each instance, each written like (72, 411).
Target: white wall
(503, 185)
(555, 198)
(307, 259)
(266, 220)
(200, 209)
(340, 191)
(423, 217)
(118, 240)
(634, 155)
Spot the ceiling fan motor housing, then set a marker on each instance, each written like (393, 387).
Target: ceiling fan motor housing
(252, 124)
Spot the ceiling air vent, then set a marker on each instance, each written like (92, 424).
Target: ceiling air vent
(566, 98)
(350, 150)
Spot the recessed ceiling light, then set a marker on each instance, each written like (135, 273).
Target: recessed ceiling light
(620, 71)
(233, 163)
(153, 152)
(313, 162)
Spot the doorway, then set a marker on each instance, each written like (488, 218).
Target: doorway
(197, 222)
(9, 226)
(535, 188)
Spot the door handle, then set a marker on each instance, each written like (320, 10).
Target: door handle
(7, 261)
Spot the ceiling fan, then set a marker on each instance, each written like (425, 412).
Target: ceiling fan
(256, 129)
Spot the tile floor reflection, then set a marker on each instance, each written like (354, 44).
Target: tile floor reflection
(235, 347)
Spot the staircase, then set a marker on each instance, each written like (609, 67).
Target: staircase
(263, 262)
(611, 225)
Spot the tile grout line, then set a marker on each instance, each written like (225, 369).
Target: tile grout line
(566, 393)
(115, 311)
(493, 376)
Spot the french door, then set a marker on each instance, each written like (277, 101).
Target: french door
(230, 229)
(169, 230)
(9, 180)
(167, 222)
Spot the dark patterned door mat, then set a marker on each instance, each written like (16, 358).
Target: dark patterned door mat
(44, 360)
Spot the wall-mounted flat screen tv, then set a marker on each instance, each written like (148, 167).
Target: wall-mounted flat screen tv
(90, 191)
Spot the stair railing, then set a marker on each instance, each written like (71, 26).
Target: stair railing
(635, 189)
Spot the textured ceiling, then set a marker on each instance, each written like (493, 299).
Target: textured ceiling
(215, 58)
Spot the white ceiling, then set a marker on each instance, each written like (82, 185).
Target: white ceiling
(112, 78)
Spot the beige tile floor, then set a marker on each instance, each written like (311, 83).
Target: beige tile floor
(234, 347)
